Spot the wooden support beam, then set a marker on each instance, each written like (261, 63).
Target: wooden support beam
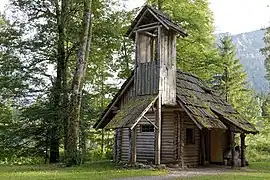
(120, 137)
(233, 148)
(138, 22)
(147, 119)
(158, 132)
(167, 27)
(147, 29)
(202, 147)
(116, 149)
(149, 34)
(134, 153)
(148, 25)
(243, 146)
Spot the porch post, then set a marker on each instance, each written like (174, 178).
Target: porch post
(158, 131)
(232, 148)
(243, 163)
(202, 147)
(116, 149)
(134, 153)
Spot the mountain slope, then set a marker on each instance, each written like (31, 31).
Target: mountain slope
(248, 51)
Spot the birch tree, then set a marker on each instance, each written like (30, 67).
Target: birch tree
(76, 89)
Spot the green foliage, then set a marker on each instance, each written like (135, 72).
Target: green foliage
(259, 144)
(196, 53)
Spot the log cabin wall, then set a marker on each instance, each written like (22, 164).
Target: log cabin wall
(144, 142)
(145, 145)
(191, 154)
(169, 136)
(124, 151)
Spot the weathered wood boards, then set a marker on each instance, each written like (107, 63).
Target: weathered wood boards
(167, 57)
(155, 68)
(158, 131)
(233, 148)
(243, 147)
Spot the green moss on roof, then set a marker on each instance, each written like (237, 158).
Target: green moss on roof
(127, 116)
(205, 106)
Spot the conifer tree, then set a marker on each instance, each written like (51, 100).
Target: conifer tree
(233, 79)
(232, 83)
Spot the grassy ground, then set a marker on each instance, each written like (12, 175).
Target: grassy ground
(256, 171)
(94, 171)
(105, 170)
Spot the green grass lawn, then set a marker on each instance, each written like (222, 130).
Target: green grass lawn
(94, 171)
(106, 170)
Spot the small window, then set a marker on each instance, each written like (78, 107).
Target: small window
(147, 128)
(190, 139)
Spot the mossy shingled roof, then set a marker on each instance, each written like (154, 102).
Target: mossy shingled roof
(127, 116)
(207, 108)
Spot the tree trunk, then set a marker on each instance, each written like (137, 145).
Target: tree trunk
(76, 90)
(60, 82)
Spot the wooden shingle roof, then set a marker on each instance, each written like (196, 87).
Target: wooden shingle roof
(132, 112)
(148, 15)
(205, 107)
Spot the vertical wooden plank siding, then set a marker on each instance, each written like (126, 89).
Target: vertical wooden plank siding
(145, 78)
(168, 67)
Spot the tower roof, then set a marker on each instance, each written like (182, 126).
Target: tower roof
(149, 15)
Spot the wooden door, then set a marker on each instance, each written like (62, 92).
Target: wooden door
(217, 141)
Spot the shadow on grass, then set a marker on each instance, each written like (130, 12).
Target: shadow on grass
(94, 171)
(94, 166)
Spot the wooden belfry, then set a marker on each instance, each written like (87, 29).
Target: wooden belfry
(155, 64)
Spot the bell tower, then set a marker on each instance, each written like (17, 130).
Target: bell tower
(155, 60)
